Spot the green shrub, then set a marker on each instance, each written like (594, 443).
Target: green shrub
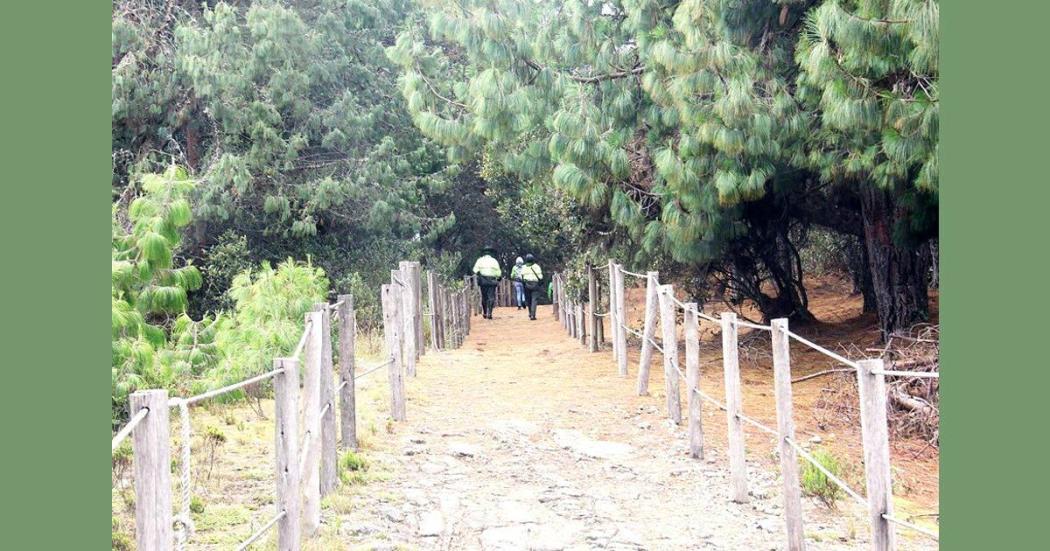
(196, 505)
(352, 467)
(816, 483)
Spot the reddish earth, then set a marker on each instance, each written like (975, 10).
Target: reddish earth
(826, 406)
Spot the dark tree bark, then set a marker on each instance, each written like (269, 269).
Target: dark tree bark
(860, 273)
(897, 265)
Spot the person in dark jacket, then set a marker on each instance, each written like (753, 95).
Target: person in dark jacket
(532, 279)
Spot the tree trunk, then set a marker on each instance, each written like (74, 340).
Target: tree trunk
(898, 269)
(860, 272)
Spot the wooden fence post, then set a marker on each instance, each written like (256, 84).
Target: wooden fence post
(593, 302)
(557, 298)
(442, 318)
(347, 367)
(417, 307)
(581, 327)
(466, 310)
(392, 328)
(286, 434)
(786, 432)
(614, 319)
(151, 445)
(670, 344)
(601, 320)
(652, 306)
(871, 384)
(692, 379)
(311, 476)
(620, 331)
(454, 303)
(731, 378)
(329, 455)
(408, 317)
(554, 294)
(432, 301)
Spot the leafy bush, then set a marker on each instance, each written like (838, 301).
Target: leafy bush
(266, 323)
(816, 483)
(148, 289)
(352, 467)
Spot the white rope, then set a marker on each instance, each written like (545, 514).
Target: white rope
(838, 482)
(906, 524)
(334, 307)
(919, 374)
(602, 315)
(302, 339)
(376, 368)
(707, 317)
(325, 409)
(341, 385)
(823, 350)
(124, 432)
(756, 424)
(304, 452)
(680, 304)
(397, 280)
(225, 389)
(252, 539)
(635, 274)
(710, 399)
(184, 519)
(742, 323)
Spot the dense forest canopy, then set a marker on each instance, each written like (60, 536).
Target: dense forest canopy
(710, 138)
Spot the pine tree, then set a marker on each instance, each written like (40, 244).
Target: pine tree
(700, 128)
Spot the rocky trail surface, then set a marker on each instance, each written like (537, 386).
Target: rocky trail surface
(521, 439)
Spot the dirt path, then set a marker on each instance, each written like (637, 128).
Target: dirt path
(521, 439)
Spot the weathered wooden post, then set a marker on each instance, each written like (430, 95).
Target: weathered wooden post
(670, 338)
(432, 301)
(731, 378)
(151, 444)
(347, 367)
(442, 318)
(652, 306)
(311, 476)
(392, 328)
(692, 379)
(286, 434)
(601, 320)
(871, 384)
(554, 294)
(408, 303)
(415, 273)
(592, 302)
(581, 327)
(454, 303)
(329, 455)
(620, 329)
(786, 432)
(614, 319)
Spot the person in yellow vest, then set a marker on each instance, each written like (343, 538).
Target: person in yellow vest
(532, 279)
(488, 271)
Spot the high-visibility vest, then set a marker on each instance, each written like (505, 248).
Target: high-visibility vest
(515, 272)
(487, 266)
(532, 272)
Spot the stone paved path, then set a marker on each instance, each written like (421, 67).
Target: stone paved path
(522, 439)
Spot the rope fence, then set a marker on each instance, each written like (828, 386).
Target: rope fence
(661, 307)
(261, 532)
(306, 465)
(823, 350)
(130, 426)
